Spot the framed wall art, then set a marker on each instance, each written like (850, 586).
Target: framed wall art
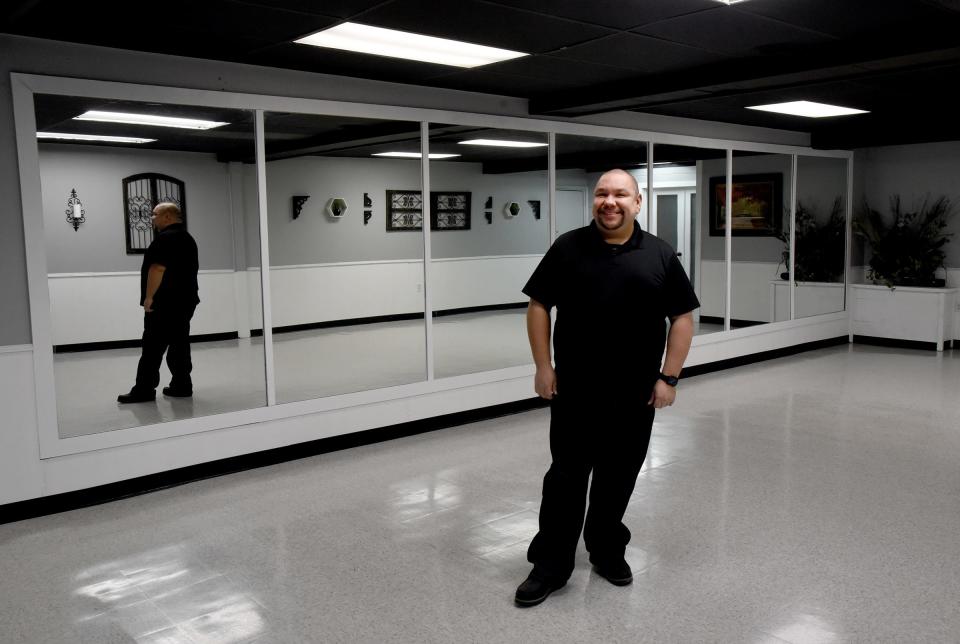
(448, 210)
(757, 205)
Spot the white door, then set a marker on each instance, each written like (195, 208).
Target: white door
(571, 209)
(672, 217)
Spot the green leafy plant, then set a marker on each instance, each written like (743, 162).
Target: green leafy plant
(907, 247)
(819, 244)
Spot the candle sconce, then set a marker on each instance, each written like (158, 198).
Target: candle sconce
(75, 212)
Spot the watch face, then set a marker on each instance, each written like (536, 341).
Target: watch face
(670, 380)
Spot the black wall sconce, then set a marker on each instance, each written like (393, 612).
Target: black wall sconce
(75, 212)
(298, 201)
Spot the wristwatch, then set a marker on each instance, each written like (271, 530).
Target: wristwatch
(670, 380)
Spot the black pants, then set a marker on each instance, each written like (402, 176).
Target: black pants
(583, 438)
(165, 331)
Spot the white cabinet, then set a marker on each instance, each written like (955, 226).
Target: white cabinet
(903, 313)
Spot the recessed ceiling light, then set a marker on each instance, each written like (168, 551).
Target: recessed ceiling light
(91, 137)
(414, 155)
(730, 1)
(503, 144)
(808, 109)
(365, 39)
(148, 119)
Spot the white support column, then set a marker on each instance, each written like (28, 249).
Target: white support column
(728, 241)
(265, 261)
(848, 245)
(552, 185)
(793, 237)
(651, 226)
(427, 255)
(238, 230)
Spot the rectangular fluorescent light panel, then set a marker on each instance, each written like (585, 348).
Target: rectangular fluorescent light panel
(148, 119)
(730, 1)
(414, 155)
(503, 144)
(808, 109)
(91, 137)
(351, 36)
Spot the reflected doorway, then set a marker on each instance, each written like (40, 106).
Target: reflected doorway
(673, 211)
(571, 210)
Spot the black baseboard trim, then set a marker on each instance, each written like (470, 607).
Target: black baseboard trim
(135, 344)
(901, 344)
(734, 323)
(88, 497)
(739, 361)
(330, 324)
(33, 508)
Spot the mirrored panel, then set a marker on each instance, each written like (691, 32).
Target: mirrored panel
(760, 222)
(346, 254)
(490, 225)
(104, 166)
(820, 238)
(680, 178)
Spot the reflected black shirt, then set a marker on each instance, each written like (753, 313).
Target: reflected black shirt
(604, 293)
(174, 249)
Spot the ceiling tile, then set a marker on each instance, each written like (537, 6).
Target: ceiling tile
(482, 23)
(641, 53)
(724, 30)
(612, 13)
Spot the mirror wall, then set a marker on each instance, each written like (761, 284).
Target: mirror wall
(820, 237)
(97, 198)
(490, 227)
(346, 254)
(761, 225)
(681, 175)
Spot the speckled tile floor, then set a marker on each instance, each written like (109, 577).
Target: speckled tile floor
(809, 499)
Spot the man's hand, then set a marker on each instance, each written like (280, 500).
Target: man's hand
(662, 395)
(148, 304)
(545, 382)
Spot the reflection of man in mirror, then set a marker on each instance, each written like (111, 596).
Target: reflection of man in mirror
(614, 287)
(168, 294)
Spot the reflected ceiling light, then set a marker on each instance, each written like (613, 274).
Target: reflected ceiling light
(497, 143)
(351, 36)
(808, 109)
(730, 1)
(148, 119)
(91, 137)
(414, 155)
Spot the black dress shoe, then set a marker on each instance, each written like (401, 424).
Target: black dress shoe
(173, 392)
(534, 590)
(137, 396)
(617, 573)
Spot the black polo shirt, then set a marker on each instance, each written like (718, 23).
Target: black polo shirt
(174, 249)
(612, 305)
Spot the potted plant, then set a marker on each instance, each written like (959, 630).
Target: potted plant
(906, 248)
(906, 300)
(819, 244)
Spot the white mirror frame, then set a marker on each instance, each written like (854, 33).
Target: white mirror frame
(709, 348)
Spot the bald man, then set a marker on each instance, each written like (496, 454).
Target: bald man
(168, 295)
(614, 288)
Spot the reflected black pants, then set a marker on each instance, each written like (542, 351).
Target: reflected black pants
(165, 331)
(585, 438)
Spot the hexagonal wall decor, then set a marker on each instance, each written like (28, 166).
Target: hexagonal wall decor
(512, 209)
(337, 207)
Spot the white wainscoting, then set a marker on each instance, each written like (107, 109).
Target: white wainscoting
(813, 298)
(751, 289)
(21, 475)
(101, 307)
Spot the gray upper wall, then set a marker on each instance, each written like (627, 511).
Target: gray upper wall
(915, 172)
(35, 56)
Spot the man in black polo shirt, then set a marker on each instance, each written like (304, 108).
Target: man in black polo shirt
(614, 288)
(168, 294)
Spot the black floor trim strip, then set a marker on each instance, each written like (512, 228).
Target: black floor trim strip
(66, 501)
(131, 344)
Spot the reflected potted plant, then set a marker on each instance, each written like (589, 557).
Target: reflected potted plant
(819, 244)
(907, 247)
